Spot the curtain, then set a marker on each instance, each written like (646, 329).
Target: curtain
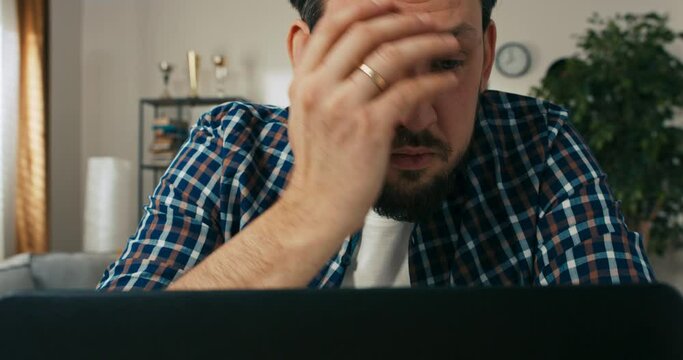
(31, 195)
(9, 115)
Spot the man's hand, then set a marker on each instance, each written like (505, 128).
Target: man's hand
(341, 124)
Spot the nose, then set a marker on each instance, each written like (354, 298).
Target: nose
(422, 118)
(424, 115)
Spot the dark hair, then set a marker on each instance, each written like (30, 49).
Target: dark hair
(312, 10)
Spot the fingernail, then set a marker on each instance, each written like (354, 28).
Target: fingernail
(424, 17)
(449, 38)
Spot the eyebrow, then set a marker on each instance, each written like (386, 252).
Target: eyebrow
(465, 30)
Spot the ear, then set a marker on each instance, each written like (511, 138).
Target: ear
(298, 36)
(490, 36)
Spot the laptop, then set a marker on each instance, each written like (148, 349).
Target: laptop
(594, 322)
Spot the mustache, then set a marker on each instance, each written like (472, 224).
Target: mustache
(405, 137)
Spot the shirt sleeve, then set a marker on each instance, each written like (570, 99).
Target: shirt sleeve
(181, 225)
(581, 232)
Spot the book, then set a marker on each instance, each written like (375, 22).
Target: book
(168, 137)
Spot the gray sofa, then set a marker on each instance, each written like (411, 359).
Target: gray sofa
(83, 271)
(52, 271)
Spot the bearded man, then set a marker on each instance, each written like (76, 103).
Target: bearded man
(393, 167)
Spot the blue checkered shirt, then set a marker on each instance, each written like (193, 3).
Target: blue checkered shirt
(532, 207)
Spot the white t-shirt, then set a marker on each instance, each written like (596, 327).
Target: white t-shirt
(381, 259)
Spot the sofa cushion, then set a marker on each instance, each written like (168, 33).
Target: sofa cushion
(70, 271)
(15, 274)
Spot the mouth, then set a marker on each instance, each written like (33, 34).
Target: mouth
(410, 158)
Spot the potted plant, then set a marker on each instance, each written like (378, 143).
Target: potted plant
(623, 91)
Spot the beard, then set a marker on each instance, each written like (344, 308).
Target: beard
(408, 201)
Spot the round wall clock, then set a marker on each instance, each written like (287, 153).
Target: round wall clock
(513, 59)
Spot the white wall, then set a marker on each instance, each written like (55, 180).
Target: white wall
(123, 41)
(65, 125)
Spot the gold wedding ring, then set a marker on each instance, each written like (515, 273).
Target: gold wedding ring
(376, 78)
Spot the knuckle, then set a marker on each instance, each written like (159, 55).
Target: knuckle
(293, 89)
(340, 17)
(389, 52)
(448, 42)
(362, 30)
(303, 92)
(334, 102)
(411, 21)
(307, 98)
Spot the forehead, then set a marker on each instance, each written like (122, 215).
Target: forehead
(449, 13)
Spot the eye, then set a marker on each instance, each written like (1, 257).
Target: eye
(446, 65)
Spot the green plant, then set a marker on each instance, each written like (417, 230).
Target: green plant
(623, 90)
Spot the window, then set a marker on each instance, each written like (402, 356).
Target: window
(9, 91)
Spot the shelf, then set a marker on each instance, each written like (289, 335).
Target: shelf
(155, 166)
(173, 104)
(189, 101)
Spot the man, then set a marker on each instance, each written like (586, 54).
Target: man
(389, 112)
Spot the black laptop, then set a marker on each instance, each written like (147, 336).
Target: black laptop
(623, 322)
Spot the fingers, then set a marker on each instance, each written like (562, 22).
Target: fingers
(332, 27)
(365, 37)
(398, 47)
(395, 61)
(392, 107)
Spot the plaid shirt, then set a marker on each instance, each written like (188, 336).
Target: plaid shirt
(532, 206)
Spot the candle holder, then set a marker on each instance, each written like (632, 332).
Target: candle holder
(166, 69)
(221, 73)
